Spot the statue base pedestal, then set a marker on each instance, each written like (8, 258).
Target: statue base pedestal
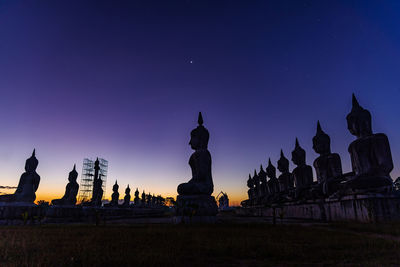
(196, 209)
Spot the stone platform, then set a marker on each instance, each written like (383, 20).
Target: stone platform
(196, 209)
(361, 208)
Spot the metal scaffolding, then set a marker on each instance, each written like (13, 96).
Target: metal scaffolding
(87, 176)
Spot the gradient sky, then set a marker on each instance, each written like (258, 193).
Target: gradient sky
(124, 80)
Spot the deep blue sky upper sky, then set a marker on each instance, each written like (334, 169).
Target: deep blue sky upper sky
(125, 80)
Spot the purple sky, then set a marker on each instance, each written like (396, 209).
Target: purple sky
(124, 80)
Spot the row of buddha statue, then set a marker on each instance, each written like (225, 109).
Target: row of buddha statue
(371, 161)
(145, 200)
(29, 183)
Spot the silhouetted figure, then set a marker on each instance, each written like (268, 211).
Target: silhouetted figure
(115, 195)
(263, 191)
(257, 187)
(200, 163)
(97, 185)
(250, 192)
(273, 183)
(302, 174)
(136, 199)
(71, 190)
(127, 198)
(143, 200)
(28, 183)
(328, 166)
(370, 154)
(197, 192)
(286, 183)
(148, 199)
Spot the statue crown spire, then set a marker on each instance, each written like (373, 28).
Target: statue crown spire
(269, 162)
(282, 155)
(255, 172)
(74, 169)
(355, 102)
(200, 119)
(297, 143)
(34, 151)
(319, 129)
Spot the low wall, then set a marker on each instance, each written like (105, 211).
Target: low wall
(361, 208)
(33, 214)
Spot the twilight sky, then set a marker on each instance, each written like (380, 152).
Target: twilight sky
(124, 80)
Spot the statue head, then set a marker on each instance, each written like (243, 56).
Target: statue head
(31, 163)
(199, 136)
(250, 182)
(271, 170)
(321, 141)
(73, 175)
(261, 171)
(255, 177)
(298, 154)
(115, 187)
(283, 163)
(127, 190)
(359, 120)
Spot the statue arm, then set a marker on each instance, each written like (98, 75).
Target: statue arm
(36, 182)
(336, 167)
(383, 155)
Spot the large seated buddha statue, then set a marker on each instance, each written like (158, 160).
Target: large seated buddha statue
(71, 190)
(201, 182)
(328, 166)
(257, 187)
(250, 192)
(370, 154)
(195, 196)
(302, 174)
(28, 183)
(273, 183)
(286, 183)
(263, 192)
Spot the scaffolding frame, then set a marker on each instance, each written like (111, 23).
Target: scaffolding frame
(87, 177)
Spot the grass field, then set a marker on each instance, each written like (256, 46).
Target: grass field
(177, 245)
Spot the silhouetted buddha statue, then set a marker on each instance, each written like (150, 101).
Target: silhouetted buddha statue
(71, 190)
(97, 185)
(143, 199)
(328, 166)
(273, 183)
(28, 183)
(127, 198)
(115, 195)
(285, 179)
(148, 199)
(257, 187)
(195, 196)
(250, 185)
(302, 174)
(262, 176)
(200, 163)
(136, 199)
(370, 154)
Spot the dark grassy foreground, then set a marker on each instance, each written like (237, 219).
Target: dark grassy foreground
(169, 245)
